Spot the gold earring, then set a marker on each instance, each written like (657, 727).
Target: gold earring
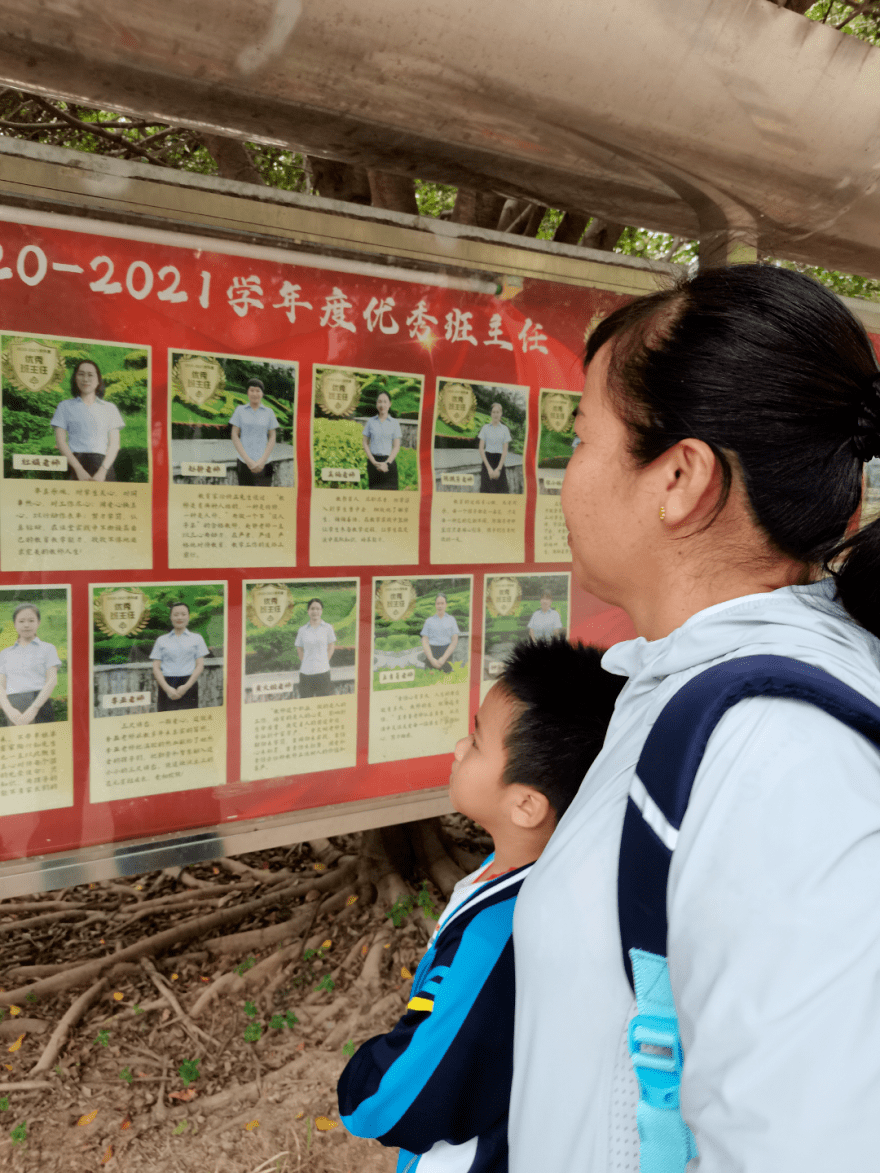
(662, 512)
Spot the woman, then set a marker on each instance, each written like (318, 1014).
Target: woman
(86, 427)
(315, 645)
(724, 426)
(440, 637)
(381, 440)
(546, 623)
(494, 442)
(178, 662)
(28, 673)
(253, 437)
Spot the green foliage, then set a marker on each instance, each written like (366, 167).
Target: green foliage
(273, 649)
(189, 1071)
(338, 444)
(253, 1032)
(554, 449)
(187, 419)
(205, 602)
(19, 1133)
(404, 391)
(27, 415)
(516, 627)
(248, 963)
(457, 592)
(127, 1074)
(348, 1049)
(404, 904)
(435, 199)
(514, 416)
(103, 1038)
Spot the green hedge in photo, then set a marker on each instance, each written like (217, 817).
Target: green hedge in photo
(210, 421)
(273, 649)
(27, 415)
(339, 444)
(205, 602)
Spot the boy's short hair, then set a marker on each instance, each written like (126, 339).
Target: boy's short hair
(563, 702)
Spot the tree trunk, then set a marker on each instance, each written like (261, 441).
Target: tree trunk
(481, 209)
(339, 181)
(602, 235)
(397, 193)
(570, 228)
(521, 217)
(232, 157)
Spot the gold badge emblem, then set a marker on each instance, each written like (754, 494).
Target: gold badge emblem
(122, 611)
(396, 599)
(557, 411)
(269, 604)
(456, 404)
(197, 378)
(338, 393)
(30, 365)
(503, 596)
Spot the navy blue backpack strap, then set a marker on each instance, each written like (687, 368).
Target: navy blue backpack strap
(669, 762)
(657, 801)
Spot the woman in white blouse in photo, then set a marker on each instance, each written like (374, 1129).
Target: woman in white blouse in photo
(178, 662)
(87, 427)
(315, 645)
(28, 673)
(381, 440)
(494, 441)
(254, 428)
(440, 636)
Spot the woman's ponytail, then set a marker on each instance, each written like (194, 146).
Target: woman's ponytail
(857, 576)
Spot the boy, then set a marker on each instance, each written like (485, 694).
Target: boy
(438, 1084)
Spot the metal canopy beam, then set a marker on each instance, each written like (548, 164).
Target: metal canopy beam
(662, 115)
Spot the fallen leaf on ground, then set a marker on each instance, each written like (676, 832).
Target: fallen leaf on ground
(189, 1094)
(108, 1156)
(324, 1123)
(15, 1046)
(13, 1010)
(253, 1124)
(118, 995)
(88, 1118)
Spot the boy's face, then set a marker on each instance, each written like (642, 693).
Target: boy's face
(475, 786)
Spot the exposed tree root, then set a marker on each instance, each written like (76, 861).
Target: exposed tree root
(79, 975)
(73, 1015)
(443, 870)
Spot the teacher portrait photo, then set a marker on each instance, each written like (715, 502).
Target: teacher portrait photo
(440, 634)
(87, 428)
(28, 672)
(315, 645)
(254, 428)
(382, 438)
(494, 442)
(178, 662)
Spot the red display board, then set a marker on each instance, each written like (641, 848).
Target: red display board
(162, 662)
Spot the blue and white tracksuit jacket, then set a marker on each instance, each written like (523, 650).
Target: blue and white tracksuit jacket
(438, 1084)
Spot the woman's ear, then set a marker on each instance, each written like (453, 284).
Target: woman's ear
(692, 480)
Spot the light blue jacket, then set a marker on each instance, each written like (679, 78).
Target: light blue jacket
(774, 920)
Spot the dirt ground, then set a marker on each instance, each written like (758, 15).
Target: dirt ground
(215, 1051)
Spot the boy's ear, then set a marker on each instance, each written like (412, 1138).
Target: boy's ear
(530, 808)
